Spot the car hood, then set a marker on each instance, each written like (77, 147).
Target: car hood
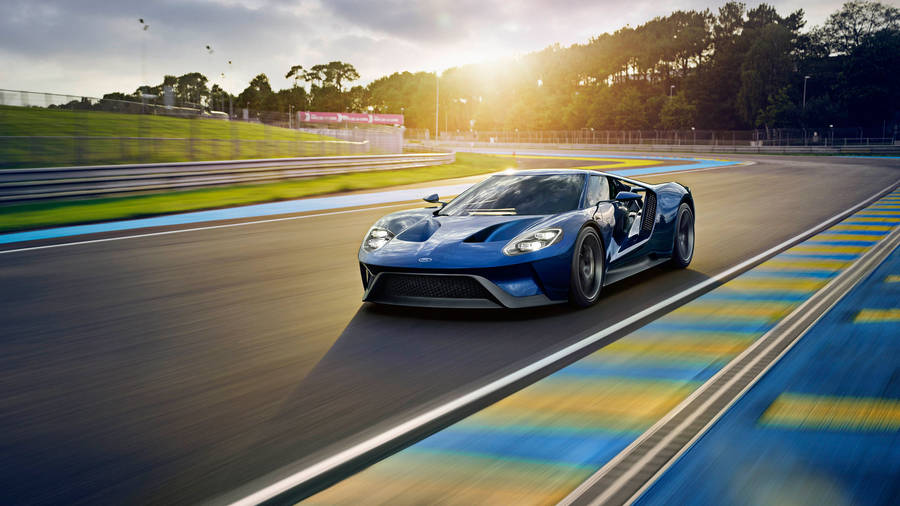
(450, 241)
(470, 229)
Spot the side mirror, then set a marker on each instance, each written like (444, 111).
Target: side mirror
(434, 199)
(627, 196)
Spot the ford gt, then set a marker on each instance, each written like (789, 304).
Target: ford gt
(527, 238)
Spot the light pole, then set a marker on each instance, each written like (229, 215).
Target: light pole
(222, 77)
(290, 115)
(832, 134)
(447, 115)
(805, 78)
(462, 101)
(437, 94)
(230, 106)
(671, 88)
(221, 91)
(144, 27)
(209, 51)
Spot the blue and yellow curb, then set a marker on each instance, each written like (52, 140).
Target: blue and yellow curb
(822, 426)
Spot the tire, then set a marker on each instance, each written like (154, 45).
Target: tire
(683, 247)
(586, 278)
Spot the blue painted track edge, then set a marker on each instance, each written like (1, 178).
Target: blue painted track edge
(304, 205)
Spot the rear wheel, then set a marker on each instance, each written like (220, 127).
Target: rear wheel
(587, 269)
(683, 250)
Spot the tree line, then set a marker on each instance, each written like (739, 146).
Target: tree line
(736, 68)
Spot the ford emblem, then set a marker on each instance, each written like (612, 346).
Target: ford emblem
(424, 259)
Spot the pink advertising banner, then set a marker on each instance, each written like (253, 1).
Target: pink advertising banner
(350, 117)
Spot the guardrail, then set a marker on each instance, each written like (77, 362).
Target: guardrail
(60, 182)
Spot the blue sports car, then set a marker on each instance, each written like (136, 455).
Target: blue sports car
(527, 238)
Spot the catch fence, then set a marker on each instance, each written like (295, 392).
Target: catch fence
(826, 136)
(46, 129)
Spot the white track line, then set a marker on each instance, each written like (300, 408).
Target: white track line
(195, 229)
(285, 484)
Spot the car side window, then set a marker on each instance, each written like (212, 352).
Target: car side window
(597, 190)
(618, 186)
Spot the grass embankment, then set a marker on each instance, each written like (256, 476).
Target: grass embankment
(178, 139)
(42, 215)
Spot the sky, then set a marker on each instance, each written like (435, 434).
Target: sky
(92, 47)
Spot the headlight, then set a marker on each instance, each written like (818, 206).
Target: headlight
(376, 238)
(532, 241)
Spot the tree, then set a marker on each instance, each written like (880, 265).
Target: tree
(734, 69)
(219, 98)
(677, 113)
(327, 82)
(868, 87)
(191, 88)
(334, 74)
(297, 73)
(766, 69)
(359, 99)
(631, 112)
(257, 94)
(781, 111)
(328, 98)
(338, 73)
(293, 96)
(845, 29)
(119, 96)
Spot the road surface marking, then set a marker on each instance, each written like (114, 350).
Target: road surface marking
(877, 316)
(833, 413)
(195, 229)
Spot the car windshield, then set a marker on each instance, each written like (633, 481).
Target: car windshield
(519, 194)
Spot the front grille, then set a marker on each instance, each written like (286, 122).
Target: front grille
(433, 286)
(649, 212)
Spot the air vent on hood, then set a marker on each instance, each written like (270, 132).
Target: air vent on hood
(483, 234)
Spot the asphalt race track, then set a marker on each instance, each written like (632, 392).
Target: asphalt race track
(173, 368)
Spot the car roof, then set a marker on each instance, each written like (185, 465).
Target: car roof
(551, 172)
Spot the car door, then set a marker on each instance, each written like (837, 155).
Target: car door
(630, 233)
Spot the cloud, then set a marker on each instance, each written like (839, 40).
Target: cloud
(95, 46)
(85, 36)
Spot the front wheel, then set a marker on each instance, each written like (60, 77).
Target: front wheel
(587, 269)
(683, 250)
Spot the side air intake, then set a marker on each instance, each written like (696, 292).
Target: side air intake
(649, 212)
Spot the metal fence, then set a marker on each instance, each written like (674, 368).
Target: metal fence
(61, 182)
(31, 99)
(46, 129)
(826, 136)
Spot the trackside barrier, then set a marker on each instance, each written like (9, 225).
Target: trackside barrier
(60, 182)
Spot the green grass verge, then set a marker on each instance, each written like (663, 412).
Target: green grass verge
(48, 214)
(187, 139)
